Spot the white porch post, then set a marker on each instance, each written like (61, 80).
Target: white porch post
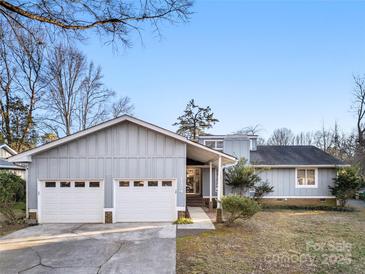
(210, 185)
(220, 190)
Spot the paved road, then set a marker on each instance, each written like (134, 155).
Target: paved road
(90, 248)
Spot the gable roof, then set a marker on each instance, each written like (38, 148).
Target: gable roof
(192, 146)
(292, 156)
(8, 149)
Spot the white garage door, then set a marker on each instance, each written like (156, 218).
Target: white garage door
(71, 201)
(145, 200)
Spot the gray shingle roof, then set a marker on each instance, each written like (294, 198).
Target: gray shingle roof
(292, 155)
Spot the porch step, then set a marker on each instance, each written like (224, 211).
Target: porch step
(194, 201)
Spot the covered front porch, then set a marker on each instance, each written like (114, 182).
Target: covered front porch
(204, 177)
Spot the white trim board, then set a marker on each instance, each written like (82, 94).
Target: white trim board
(306, 170)
(26, 155)
(12, 167)
(9, 149)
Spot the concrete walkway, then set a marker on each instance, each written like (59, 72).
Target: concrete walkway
(201, 220)
(360, 204)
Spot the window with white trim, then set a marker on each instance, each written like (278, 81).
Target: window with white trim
(306, 177)
(214, 144)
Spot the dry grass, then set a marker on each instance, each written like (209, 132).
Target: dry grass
(6, 228)
(278, 242)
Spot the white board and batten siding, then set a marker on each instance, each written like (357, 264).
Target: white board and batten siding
(124, 150)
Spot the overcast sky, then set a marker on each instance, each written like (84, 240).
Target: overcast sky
(277, 64)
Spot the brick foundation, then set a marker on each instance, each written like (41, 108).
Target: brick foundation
(32, 216)
(299, 202)
(108, 217)
(181, 214)
(219, 217)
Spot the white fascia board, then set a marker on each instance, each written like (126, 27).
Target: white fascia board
(9, 149)
(22, 157)
(12, 167)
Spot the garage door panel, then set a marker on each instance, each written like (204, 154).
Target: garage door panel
(72, 204)
(146, 203)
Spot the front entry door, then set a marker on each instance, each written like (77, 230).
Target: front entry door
(193, 181)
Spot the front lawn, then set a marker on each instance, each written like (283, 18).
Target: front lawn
(279, 241)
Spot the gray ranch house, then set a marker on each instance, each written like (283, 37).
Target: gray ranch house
(128, 170)
(122, 170)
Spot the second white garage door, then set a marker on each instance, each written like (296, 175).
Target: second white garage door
(145, 200)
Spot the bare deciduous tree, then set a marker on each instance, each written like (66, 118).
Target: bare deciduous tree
(323, 139)
(359, 107)
(22, 85)
(65, 68)
(251, 130)
(304, 138)
(92, 98)
(122, 106)
(281, 137)
(77, 97)
(112, 19)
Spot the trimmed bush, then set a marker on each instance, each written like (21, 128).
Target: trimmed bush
(237, 207)
(347, 183)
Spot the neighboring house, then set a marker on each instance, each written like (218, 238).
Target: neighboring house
(299, 174)
(123, 170)
(5, 165)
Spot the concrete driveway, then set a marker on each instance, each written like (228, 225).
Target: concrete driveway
(90, 248)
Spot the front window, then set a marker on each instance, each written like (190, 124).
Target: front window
(214, 144)
(65, 184)
(306, 177)
(210, 144)
(138, 183)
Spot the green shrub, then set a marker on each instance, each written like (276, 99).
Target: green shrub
(11, 190)
(241, 176)
(238, 207)
(183, 221)
(261, 190)
(347, 183)
(362, 196)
